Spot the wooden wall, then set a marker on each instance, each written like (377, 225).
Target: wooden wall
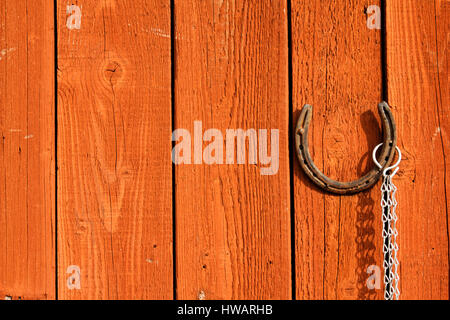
(87, 114)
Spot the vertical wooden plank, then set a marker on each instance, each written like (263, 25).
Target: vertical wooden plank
(232, 223)
(114, 125)
(417, 70)
(27, 188)
(336, 62)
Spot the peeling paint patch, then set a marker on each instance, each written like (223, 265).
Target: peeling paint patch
(201, 295)
(29, 136)
(438, 131)
(4, 52)
(160, 33)
(152, 261)
(15, 130)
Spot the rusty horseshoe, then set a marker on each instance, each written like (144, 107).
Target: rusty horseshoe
(385, 158)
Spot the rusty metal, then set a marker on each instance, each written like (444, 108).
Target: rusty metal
(330, 185)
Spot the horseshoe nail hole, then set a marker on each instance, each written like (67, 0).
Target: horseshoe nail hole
(387, 158)
(391, 144)
(301, 147)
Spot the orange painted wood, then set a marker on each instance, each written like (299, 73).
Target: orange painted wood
(232, 223)
(417, 70)
(115, 173)
(27, 158)
(336, 62)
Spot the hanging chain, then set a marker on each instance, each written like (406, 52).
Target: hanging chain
(390, 233)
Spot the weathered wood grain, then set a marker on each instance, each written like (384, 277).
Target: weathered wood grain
(232, 223)
(336, 62)
(417, 37)
(233, 240)
(27, 162)
(114, 125)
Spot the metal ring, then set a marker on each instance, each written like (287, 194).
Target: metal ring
(330, 185)
(395, 166)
